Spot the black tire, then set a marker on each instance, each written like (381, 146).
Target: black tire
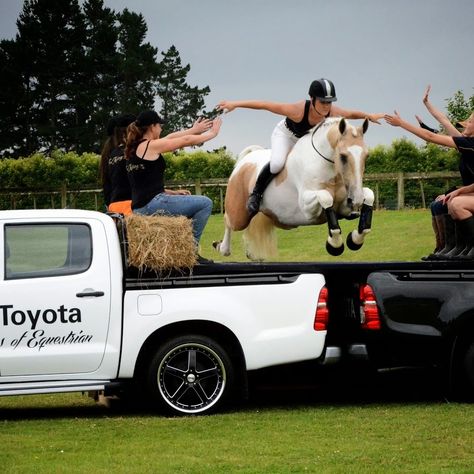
(190, 375)
(469, 373)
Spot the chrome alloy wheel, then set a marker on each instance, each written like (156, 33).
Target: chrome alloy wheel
(191, 378)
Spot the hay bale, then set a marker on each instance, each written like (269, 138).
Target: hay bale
(160, 242)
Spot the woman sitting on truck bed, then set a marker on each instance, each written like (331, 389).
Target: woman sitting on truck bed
(146, 169)
(117, 192)
(460, 202)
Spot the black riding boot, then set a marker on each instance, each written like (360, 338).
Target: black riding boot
(461, 242)
(467, 226)
(263, 180)
(437, 223)
(449, 238)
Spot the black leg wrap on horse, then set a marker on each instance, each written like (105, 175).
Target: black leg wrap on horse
(263, 180)
(331, 217)
(365, 221)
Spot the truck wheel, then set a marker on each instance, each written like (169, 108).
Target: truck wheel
(190, 375)
(469, 371)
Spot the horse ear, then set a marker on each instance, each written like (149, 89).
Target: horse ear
(365, 125)
(342, 126)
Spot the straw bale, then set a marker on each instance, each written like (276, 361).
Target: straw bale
(160, 242)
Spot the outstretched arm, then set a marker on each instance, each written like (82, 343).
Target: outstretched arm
(201, 125)
(396, 121)
(423, 125)
(355, 114)
(439, 116)
(278, 108)
(163, 145)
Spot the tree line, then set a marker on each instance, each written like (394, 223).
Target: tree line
(73, 65)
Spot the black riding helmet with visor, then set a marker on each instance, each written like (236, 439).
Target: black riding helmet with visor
(323, 90)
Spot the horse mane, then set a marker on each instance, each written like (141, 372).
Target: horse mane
(248, 150)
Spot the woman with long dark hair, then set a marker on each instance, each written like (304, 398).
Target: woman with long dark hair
(146, 169)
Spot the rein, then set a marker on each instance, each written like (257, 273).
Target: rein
(312, 143)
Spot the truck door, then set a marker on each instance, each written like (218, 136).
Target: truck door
(54, 298)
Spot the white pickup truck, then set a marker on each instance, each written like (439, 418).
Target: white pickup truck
(74, 317)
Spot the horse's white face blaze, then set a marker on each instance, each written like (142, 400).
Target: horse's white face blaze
(350, 164)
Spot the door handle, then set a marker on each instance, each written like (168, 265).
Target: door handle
(95, 294)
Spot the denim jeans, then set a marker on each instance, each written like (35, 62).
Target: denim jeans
(197, 208)
(438, 208)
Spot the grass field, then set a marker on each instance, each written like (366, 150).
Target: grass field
(395, 235)
(390, 424)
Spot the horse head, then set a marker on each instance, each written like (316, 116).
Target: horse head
(350, 153)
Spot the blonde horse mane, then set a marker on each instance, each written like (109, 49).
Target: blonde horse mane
(260, 238)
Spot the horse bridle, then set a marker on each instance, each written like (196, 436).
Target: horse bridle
(312, 143)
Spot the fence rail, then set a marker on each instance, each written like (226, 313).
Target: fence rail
(11, 198)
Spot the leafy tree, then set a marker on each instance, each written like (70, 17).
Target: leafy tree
(138, 67)
(459, 107)
(100, 75)
(180, 103)
(15, 101)
(50, 35)
(74, 65)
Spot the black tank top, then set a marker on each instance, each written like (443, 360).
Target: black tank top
(119, 186)
(300, 128)
(146, 178)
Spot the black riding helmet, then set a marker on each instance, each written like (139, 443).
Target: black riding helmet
(323, 89)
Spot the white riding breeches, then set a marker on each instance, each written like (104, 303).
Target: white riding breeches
(283, 141)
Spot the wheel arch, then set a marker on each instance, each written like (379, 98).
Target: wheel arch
(218, 332)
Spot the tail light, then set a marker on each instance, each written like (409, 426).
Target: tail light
(369, 312)
(321, 317)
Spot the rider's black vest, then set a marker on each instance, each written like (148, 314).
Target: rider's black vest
(300, 128)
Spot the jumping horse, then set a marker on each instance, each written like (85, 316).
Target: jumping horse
(321, 182)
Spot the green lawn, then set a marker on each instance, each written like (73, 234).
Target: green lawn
(276, 432)
(395, 235)
(66, 433)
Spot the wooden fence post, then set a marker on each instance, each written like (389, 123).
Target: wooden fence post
(400, 191)
(197, 186)
(422, 190)
(63, 195)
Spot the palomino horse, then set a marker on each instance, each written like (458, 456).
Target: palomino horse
(321, 182)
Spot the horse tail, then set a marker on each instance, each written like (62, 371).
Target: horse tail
(248, 150)
(260, 238)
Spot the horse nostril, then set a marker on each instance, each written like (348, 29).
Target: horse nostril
(349, 201)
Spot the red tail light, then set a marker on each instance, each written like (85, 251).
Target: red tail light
(369, 312)
(321, 317)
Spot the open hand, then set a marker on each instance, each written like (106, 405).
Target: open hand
(426, 97)
(394, 120)
(375, 117)
(226, 106)
(201, 125)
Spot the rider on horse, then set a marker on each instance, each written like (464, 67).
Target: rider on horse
(300, 118)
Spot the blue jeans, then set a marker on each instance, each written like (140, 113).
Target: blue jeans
(438, 208)
(197, 208)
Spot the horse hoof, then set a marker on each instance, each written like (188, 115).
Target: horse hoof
(216, 244)
(334, 251)
(351, 244)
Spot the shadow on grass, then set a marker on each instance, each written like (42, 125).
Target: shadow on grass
(290, 387)
(305, 384)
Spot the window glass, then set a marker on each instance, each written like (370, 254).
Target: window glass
(44, 250)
